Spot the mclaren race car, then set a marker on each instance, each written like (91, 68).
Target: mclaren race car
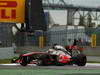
(58, 56)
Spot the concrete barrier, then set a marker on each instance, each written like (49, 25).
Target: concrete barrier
(6, 53)
(90, 51)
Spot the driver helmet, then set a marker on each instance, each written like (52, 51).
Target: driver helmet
(58, 47)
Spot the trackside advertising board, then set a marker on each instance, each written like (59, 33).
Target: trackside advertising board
(12, 11)
(93, 40)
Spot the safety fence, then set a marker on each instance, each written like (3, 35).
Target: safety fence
(63, 37)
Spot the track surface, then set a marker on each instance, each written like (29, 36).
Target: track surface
(30, 66)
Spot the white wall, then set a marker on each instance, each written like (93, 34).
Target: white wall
(6, 53)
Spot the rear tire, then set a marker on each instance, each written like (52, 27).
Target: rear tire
(81, 60)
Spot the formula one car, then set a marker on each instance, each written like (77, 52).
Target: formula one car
(46, 58)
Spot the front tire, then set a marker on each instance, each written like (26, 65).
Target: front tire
(24, 61)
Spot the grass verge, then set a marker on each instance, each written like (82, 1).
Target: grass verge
(5, 61)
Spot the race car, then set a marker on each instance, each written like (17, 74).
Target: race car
(47, 58)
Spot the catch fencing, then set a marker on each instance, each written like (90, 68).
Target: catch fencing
(67, 37)
(63, 37)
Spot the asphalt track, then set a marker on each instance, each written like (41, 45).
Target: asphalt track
(32, 69)
(89, 66)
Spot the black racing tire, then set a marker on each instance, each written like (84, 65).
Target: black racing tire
(81, 60)
(24, 61)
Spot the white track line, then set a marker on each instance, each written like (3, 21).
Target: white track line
(9, 64)
(93, 64)
(16, 64)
